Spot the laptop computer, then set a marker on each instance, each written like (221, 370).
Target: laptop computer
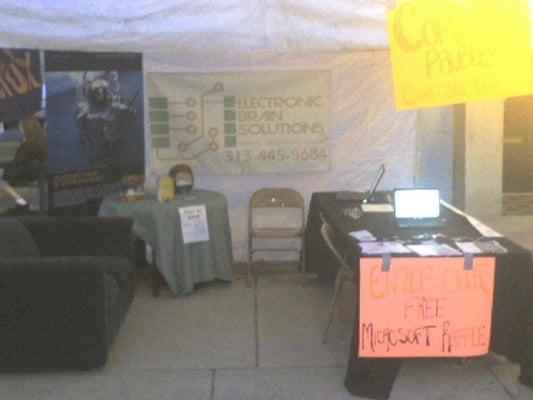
(364, 197)
(417, 208)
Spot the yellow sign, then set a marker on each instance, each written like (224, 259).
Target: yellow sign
(456, 51)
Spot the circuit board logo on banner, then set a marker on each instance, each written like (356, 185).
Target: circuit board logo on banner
(242, 123)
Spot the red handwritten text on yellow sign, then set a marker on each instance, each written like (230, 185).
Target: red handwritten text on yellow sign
(455, 51)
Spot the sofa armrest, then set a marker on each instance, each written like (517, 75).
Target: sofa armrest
(86, 236)
(53, 313)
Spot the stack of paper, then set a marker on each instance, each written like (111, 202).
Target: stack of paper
(433, 249)
(491, 246)
(363, 236)
(468, 247)
(383, 248)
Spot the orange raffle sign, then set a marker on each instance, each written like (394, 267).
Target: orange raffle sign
(425, 307)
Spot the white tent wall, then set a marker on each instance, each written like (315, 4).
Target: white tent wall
(434, 150)
(200, 27)
(366, 130)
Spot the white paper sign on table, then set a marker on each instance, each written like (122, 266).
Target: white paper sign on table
(363, 235)
(483, 229)
(194, 226)
(378, 208)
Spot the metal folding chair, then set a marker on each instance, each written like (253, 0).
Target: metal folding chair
(328, 235)
(275, 200)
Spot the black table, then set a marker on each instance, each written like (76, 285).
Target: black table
(512, 314)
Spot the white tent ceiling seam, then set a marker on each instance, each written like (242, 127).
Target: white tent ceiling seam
(201, 27)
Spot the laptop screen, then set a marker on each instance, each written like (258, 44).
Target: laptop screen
(416, 203)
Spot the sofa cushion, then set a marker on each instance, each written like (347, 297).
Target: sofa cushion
(16, 240)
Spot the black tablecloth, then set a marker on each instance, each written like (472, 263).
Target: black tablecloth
(512, 314)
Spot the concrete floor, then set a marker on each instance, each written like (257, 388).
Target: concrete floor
(229, 342)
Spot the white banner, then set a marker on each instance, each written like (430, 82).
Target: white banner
(366, 130)
(242, 123)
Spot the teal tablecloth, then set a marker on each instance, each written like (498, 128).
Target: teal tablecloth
(158, 224)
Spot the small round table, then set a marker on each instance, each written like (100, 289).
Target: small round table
(159, 225)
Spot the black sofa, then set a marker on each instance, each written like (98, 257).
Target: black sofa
(65, 287)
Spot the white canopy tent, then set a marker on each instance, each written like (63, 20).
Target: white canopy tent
(198, 27)
(346, 37)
